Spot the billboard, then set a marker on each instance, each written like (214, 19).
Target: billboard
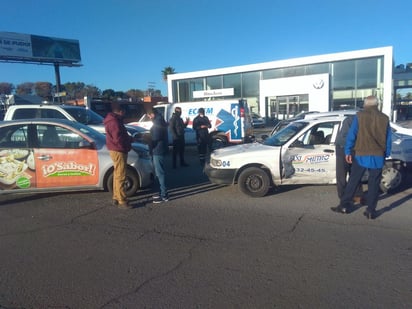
(27, 47)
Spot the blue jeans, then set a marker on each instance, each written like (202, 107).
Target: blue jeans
(158, 164)
(355, 177)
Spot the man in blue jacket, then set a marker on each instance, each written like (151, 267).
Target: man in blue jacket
(370, 138)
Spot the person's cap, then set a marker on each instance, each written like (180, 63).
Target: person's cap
(370, 101)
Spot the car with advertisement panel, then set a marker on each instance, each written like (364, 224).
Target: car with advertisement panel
(70, 112)
(44, 155)
(303, 152)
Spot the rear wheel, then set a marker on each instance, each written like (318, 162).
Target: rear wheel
(254, 182)
(392, 178)
(131, 184)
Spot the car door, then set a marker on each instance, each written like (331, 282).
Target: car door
(310, 158)
(14, 158)
(63, 158)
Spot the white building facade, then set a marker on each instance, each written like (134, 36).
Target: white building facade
(281, 89)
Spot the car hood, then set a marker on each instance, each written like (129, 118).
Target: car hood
(249, 148)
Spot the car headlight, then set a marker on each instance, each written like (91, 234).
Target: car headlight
(216, 162)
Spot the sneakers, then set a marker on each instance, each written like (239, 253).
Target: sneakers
(158, 199)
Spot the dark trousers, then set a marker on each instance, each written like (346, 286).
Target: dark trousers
(179, 150)
(355, 177)
(343, 169)
(202, 147)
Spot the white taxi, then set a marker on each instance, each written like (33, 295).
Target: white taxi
(301, 153)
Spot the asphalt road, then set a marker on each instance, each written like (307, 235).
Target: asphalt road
(208, 247)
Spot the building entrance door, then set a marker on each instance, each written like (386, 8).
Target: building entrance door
(284, 107)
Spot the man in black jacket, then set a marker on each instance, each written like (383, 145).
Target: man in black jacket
(177, 128)
(159, 148)
(201, 124)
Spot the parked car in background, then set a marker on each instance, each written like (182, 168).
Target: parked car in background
(70, 112)
(303, 152)
(43, 155)
(257, 121)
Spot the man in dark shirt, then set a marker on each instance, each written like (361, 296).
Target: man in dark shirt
(201, 124)
(342, 167)
(159, 148)
(177, 128)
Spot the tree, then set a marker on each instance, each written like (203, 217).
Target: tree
(90, 91)
(6, 88)
(108, 94)
(43, 89)
(167, 71)
(74, 90)
(135, 94)
(25, 88)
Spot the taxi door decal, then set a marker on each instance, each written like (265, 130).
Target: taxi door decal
(66, 167)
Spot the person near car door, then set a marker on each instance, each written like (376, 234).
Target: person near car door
(201, 124)
(370, 138)
(177, 128)
(119, 143)
(159, 148)
(343, 168)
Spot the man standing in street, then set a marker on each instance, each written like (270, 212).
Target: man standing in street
(177, 127)
(201, 124)
(159, 148)
(343, 168)
(118, 142)
(370, 138)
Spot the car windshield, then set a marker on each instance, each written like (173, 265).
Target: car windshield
(284, 135)
(97, 136)
(85, 116)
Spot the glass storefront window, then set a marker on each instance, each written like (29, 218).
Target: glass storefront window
(318, 68)
(271, 74)
(233, 81)
(343, 77)
(294, 71)
(183, 91)
(250, 84)
(367, 73)
(195, 84)
(213, 82)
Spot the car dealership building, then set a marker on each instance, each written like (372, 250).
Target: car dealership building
(281, 89)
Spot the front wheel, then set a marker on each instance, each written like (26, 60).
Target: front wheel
(131, 184)
(254, 182)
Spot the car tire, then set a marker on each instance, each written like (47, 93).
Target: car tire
(254, 181)
(392, 178)
(131, 185)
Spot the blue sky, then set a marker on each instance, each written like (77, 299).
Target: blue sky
(125, 44)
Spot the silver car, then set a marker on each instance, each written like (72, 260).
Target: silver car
(44, 155)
